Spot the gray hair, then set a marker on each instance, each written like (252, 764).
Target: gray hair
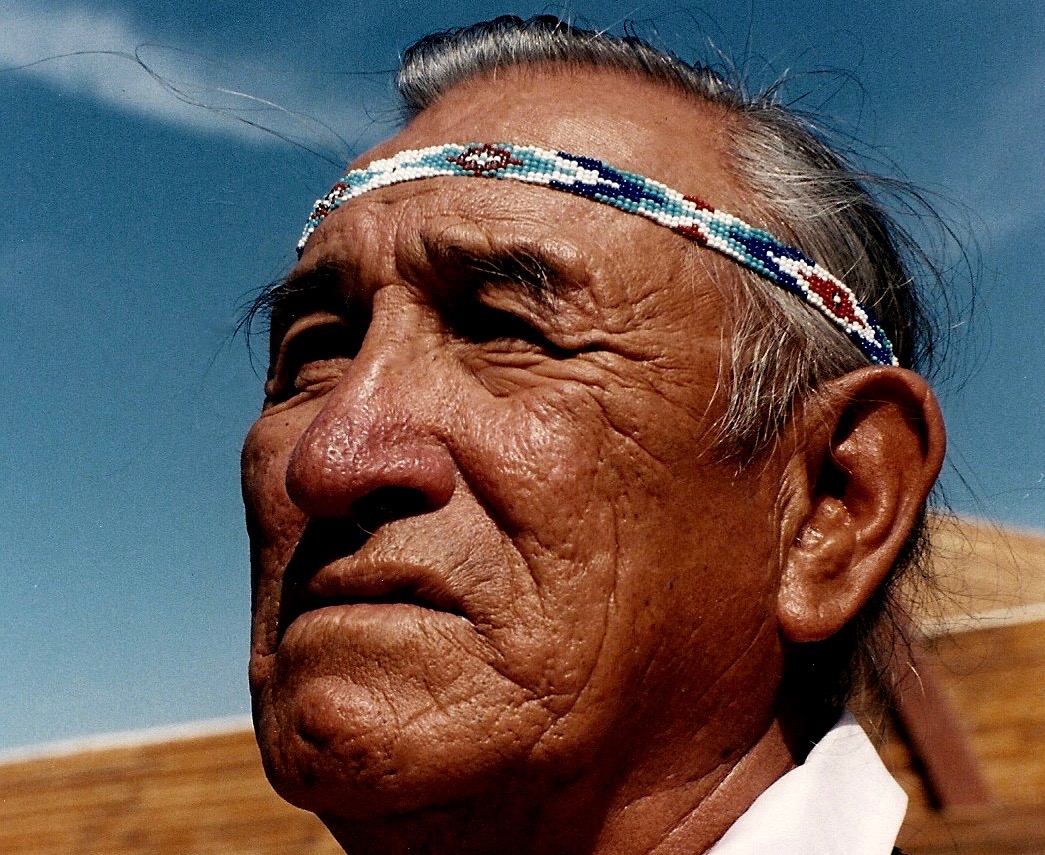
(779, 350)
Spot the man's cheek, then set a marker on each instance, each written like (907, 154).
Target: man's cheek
(546, 446)
(274, 526)
(274, 523)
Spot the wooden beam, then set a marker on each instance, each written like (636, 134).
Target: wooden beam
(932, 730)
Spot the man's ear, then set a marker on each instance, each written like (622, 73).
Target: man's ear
(868, 448)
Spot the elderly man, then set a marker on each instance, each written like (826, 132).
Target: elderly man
(574, 497)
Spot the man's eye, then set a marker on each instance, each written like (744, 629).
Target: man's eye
(483, 324)
(309, 356)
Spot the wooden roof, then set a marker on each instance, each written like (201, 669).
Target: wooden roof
(988, 577)
(994, 679)
(206, 793)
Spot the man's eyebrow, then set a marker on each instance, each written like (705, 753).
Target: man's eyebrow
(299, 294)
(539, 274)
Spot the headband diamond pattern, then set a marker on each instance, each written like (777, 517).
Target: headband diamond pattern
(688, 216)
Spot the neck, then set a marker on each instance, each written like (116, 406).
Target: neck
(678, 813)
(691, 815)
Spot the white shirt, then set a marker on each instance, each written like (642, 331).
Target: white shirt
(841, 801)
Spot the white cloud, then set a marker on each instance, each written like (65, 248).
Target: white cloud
(989, 155)
(1009, 168)
(101, 55)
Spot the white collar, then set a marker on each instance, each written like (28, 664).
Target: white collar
(841, 800)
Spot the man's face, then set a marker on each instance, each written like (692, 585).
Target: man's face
(488, 538)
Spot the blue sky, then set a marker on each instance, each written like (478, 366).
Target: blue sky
(135, 224)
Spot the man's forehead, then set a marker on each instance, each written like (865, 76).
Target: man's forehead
(635, 124)
(646, 148)
(444, 227)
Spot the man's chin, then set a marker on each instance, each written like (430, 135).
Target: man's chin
(344, 788)
(327, 781)
(351, 759)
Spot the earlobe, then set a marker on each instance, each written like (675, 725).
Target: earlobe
(868, 448)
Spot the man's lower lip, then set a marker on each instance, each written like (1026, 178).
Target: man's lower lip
(365, 612)
(367, 606)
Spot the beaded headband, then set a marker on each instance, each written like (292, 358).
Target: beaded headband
(688, 216)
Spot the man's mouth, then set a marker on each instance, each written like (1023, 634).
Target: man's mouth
(350, 583)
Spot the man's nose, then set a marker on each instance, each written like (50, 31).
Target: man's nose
(368, 455)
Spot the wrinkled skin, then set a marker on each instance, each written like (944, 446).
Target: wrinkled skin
(501, 587)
